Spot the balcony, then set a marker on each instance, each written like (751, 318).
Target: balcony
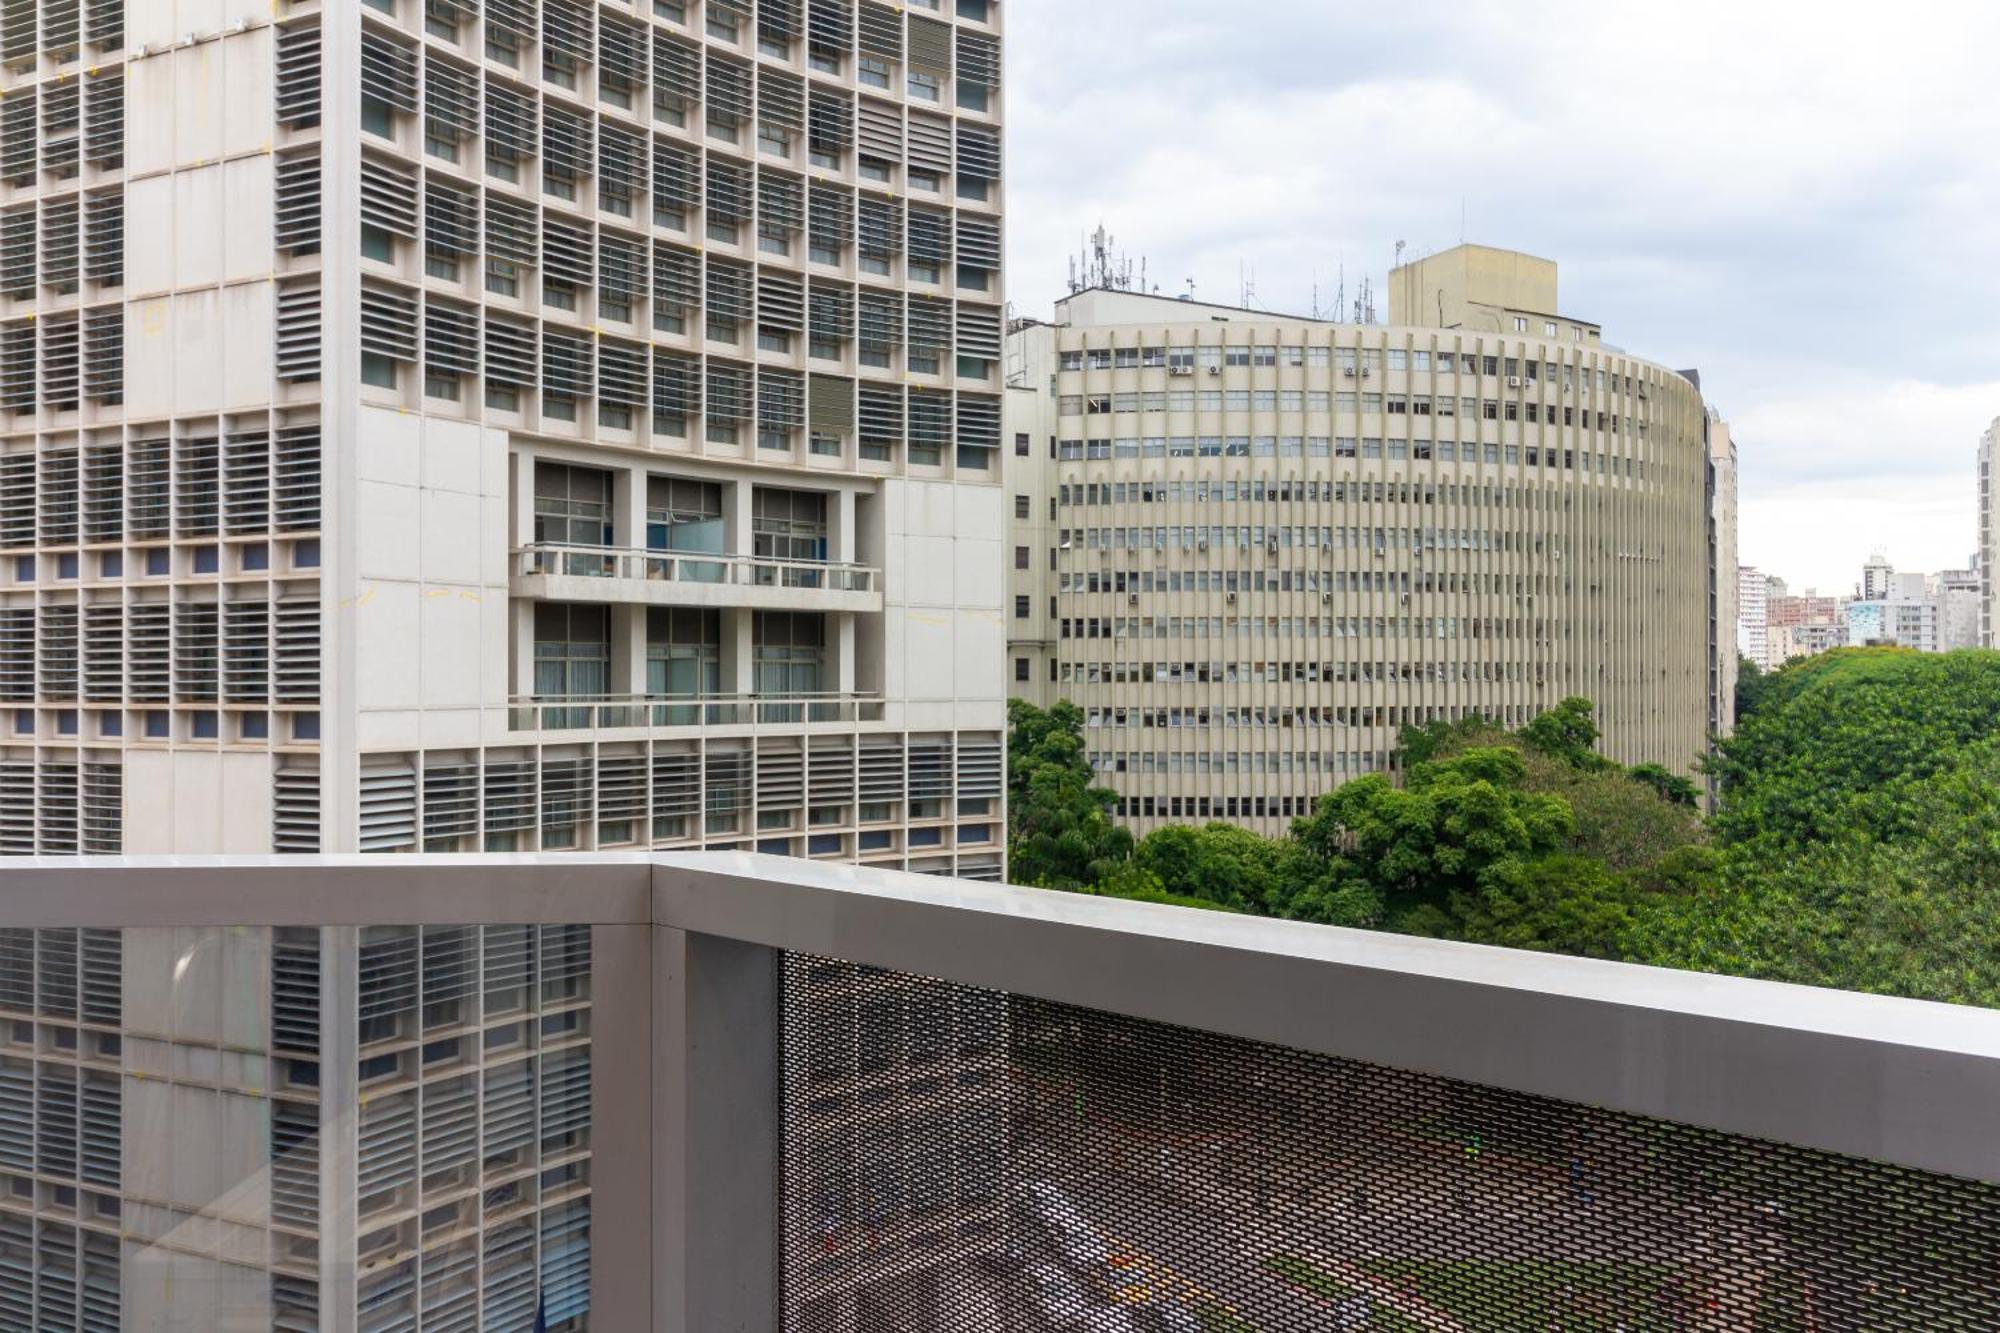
(561, 573)
(719, 1091)
(613, 712)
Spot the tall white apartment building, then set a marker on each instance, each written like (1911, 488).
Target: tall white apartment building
(1723, 614)
(538, 424)
(1957, 594)
(1989, 538)
(1752, 610)
(1252, 547)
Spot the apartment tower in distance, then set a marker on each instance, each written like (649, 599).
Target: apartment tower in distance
(1252, 547)
(1989, 539)
(532, 425)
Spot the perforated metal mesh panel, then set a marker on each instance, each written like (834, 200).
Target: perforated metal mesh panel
(965, 1161)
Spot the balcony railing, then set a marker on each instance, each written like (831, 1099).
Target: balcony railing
(710, 1091)
(575, 712)
(688, 567)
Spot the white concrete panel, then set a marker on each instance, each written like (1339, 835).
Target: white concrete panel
(982, 573)
(202, 17)
(248, 93)
(389, 729)
(452, 536)
(197, 334)
(980, 512)
(930, 715)
(493, 546)
(927, 575)
(385, 628)
(495, 649)
(978, 655)
(495, 465)
(198, 109)
(452, 728)
(927, 650)
(248, 365)
(246, 1137)
(247, 219)
(149, 107)
(246, 990)
(197, 227)
(451, 456)
(385, 445)
(386, 533)
(149, 248)
(246, 804)
(149, 358)
(451, 644)
(197, 798)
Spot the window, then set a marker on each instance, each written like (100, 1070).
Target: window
(788, 525)
(684, 515)
(788, 652)
(572, 655)
(1520, 323)
(1021, 605)
(1021, 668)
(1021, 506)
(683, 658)
(1020, 557)
(572, 505)
(1021, 445)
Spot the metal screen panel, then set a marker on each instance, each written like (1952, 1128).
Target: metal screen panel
(966, 1160)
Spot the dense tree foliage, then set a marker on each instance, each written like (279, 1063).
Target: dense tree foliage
(1856, 844)
(1059, 826)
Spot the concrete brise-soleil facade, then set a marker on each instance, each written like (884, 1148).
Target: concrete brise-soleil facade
(1724, 616)
(1251, 547)
(559, 425)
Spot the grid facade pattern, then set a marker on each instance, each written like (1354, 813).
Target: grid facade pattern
(1276, 543)
(1138, 1177)
(161, 1152)
(929, 803)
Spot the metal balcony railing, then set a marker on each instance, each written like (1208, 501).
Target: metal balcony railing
(741, 571)
(604, 712)
(719, 1091)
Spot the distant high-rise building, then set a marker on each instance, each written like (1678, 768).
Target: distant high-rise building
(1957, 594)
(426, 424)
(1877, 578)
(1989, 539)
(1752, 610)
(1276, 540)
(1723, 613)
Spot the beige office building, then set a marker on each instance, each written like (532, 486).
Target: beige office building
(1252, 547)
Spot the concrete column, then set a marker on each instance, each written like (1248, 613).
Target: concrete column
(717, 1117)
(628, 507)
(521, 627)
(842, 648)
(736, 517)
(521, 498)
(737, 627)
(339, 1125)
(840, 536)
(628, 650)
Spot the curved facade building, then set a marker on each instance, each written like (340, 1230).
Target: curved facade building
(1252, 547)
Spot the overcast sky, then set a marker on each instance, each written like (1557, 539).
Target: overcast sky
(1799, 199)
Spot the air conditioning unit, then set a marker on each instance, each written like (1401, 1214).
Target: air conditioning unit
(1131, 599)
(1513, 381)
(1180, 370)
(1215, 370)
(1348, 371)
(1231, 599)
(1326, 599)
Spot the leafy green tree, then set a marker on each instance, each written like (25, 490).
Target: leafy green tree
(1421, 844)
(1751, 681)
(1567, 732)
(1217, 863)
(1563, 904)
(1676, 789)
(1060, 831)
